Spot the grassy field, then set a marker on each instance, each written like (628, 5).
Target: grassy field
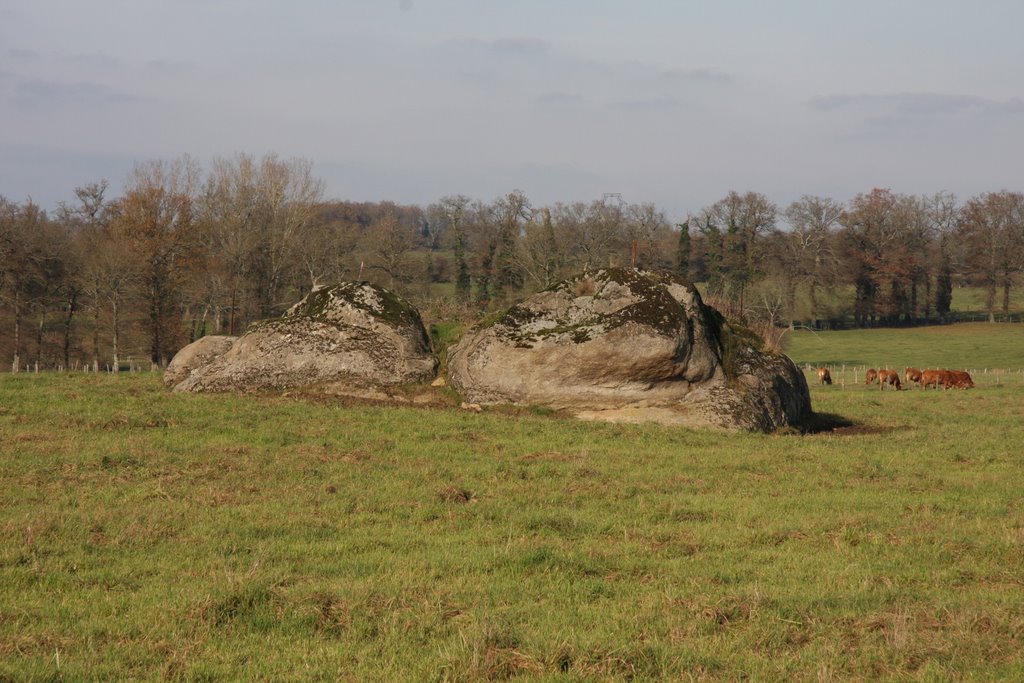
(971, 346)
(145, 535)
(968, 304)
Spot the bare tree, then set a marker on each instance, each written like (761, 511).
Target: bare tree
(389, 242)
(156, 219)
(993, 230)
(875, 234)
(324, 250)
(809, 256)
(31, 269)
(86, 220)
(453, 211)
(289, 193)
(601, 233)
(509, 212)
(741, 220)
(644, 226)
(542, 253)
(258, 216)
(943, 215)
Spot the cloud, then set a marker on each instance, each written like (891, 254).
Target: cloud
(43, 94)
(92, 60)
(519, 46)
(49, 174)
(647, 104)
(916, 104)
(504, 47)
(22, 54)
(165, 67)
(556, 98)
(532, 70)
(701, 75)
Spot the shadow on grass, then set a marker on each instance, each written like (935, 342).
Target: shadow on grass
(830, 423)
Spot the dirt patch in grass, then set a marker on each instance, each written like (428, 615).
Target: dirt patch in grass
(404, 397)
(512, 410)
(355, 457)
(455, 494)
(862, 430)
(550, 456)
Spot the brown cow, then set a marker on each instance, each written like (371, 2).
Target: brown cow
(824, 377)
(911, 375)
(957, 379)
(947, 379)
(889, 377)
(871, 376)
(931, 378)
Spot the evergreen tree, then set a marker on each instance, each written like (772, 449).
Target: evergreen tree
(944, 289)
(683, 250)
(462, 281)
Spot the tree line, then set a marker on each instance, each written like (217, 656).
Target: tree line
(184, 252)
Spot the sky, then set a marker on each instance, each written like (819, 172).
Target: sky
(675, 102)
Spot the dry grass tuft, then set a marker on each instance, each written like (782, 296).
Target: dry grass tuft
(455, 494)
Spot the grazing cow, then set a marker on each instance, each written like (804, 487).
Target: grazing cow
(911, 375)
(957, 379)
(931, 378)
(871, 376)
(947, 379)
(889, 377)
(823, 376)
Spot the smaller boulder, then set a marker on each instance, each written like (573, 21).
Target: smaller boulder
(347, 336)
(196, 355)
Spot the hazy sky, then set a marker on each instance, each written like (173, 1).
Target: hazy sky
(670, 101)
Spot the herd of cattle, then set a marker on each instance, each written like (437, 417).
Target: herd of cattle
(947, 379)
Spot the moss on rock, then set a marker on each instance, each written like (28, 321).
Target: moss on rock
(321, 304)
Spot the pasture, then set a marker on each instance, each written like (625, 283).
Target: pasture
(145, 535)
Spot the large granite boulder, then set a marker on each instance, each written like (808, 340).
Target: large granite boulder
(631, 345)
(350, 335)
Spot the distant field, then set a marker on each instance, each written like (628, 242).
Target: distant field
(145, 535)
(968, 304)
(972, 300)
(971, 346)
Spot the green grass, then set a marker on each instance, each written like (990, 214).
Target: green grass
(148, 535)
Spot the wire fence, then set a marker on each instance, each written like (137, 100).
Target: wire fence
(129, 364)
